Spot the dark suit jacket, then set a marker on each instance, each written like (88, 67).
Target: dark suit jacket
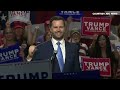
(45, 51)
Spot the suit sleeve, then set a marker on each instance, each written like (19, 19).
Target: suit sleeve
(76, 61)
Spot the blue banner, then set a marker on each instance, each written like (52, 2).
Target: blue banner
(10, 54)
(95, 74)
(73, 14)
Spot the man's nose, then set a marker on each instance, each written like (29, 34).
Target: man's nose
(58, 29)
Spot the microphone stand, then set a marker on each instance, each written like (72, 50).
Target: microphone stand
(53, 60)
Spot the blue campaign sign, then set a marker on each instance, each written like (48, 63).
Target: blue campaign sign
(10, 54)
(74, 14)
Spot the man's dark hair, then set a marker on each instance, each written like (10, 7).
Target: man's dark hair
(56, 18)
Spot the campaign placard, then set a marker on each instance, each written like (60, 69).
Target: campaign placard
(22, 16)
(101, 64)
(95, 25)
(10, 54)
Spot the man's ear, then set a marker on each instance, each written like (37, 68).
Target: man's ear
(49, 28)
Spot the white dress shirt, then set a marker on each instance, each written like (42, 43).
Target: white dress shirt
(62, 45)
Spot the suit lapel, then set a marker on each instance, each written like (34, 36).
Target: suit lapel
(66, 50)
(51, 49)
(66, 54)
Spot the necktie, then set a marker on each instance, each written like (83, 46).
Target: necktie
(60, 57)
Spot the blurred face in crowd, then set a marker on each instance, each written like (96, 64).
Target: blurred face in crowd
(47, 28)
(19, 32)
(75, 38)
(57, 29)
(48, 36)
(31, 50)
(69, 19)
(9, 34)
(102, 41)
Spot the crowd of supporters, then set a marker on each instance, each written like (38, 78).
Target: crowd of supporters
(97, 47)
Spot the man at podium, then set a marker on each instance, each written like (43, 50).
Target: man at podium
(64, 55)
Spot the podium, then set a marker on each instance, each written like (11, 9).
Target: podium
(41, 69)
(26, 70)
(77, 76)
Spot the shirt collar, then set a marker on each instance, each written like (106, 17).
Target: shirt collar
(54, 41)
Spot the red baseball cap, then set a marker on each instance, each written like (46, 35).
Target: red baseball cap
(18, 24)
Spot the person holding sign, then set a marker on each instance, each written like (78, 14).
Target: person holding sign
(23, 34)
(102, 49)
(10, 52)
(19, 28)
(66, 55)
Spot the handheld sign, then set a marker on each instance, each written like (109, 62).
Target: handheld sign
(23, 16)
(10, 54)
(101, 64)
(95, 25)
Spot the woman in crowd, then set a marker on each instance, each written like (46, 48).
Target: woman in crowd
(102, 49)
(10, 40)
(23, 35)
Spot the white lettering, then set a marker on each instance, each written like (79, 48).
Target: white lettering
(86, 64)
(10, 55)
(96, 26)
(70, 12)
(102, 66)
(18, 13)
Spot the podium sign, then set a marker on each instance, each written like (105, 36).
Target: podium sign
(26, 70)
(77, 76)
(101, 64)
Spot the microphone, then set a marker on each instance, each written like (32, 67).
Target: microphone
(54, 55)
(55, 52)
